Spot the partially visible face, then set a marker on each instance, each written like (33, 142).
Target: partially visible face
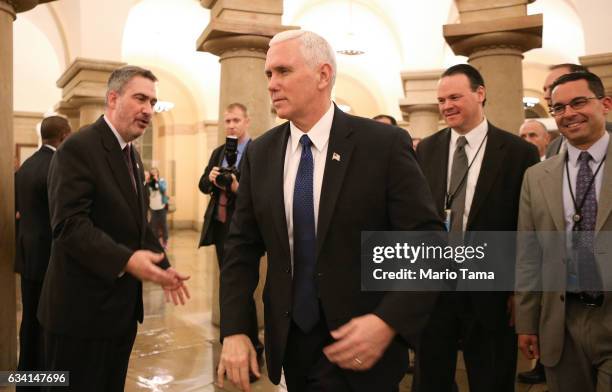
(292, 83)
(536, 135)
(552, 76)
(131, 111)
(236, 123)
(584, 126)
(458, 104)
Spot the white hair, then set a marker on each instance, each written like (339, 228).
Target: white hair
(315, 49)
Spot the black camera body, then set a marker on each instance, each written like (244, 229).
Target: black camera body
(224, 179)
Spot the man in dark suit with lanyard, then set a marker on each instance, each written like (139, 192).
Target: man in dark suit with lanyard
(308, 189)
(475, 172)
(223, 196)
(34, 236)
(102, 246)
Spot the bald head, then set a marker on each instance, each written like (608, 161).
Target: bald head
(535, 133)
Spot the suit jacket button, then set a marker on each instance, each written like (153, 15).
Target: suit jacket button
(287, 313)
(562, 297)
(288, 270)
(319, 274)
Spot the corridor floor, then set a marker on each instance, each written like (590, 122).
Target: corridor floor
(177, 347)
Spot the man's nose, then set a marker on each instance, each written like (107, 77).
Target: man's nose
(272, 83)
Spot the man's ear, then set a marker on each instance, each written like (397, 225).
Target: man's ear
(325, 75)
(111, 98)
(607, 104)
(482, 94)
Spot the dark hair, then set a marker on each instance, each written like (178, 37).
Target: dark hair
(121, 76)
(594, 82)
(474, 77)
(571, 66)
(238, 105)
(53, 128)
(390, 118)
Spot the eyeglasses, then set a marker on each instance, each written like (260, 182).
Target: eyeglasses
(576, 104)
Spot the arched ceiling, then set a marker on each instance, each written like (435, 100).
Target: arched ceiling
(398, 35)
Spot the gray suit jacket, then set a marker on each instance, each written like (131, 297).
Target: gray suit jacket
(554, 146)
(542, 257)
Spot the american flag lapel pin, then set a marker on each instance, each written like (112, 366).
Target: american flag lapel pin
(336, 157)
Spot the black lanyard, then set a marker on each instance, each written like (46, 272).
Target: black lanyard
(451, 196)
(577, 217)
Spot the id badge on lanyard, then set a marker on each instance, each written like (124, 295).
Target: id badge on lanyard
(447, 219)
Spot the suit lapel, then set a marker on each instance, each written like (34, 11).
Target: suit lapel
(605, 194)
(439, 168)
(277, 206)
(341, 147)
(489, 170)
(115, 159)
(141, 195)
(551, 186)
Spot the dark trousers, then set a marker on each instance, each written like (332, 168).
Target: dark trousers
(159, 223)
(489, 355)
(30, 331)
(95, 365)
(307, 369)
(219, 234)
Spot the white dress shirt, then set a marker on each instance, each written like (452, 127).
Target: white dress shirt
(474, 139)
(122, 143)
(319, 135)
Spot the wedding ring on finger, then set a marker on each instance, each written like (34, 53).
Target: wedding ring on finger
(357, 361)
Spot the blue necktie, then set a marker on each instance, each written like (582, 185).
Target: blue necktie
(588, 274)
(305, 302)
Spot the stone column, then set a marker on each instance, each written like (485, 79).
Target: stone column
(83, 87)
(8, 309)
(239, 32)
(420, 107)
(494, 34)
(601, 65)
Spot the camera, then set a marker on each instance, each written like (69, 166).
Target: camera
(153, 184)
(224, 179)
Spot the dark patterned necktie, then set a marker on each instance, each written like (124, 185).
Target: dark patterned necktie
(305, 302)
(127, 155)
(588, 275)
(458, 184)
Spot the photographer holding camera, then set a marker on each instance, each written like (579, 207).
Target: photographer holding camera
(220, 180)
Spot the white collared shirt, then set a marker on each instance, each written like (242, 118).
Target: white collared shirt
(474, 138)
(122, 143)
(50, 147)
(319, 135)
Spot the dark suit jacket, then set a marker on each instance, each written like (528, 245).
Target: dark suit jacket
(98, 221)
(496, 197)
(34, 236)
(208, 188)
(376, 184)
